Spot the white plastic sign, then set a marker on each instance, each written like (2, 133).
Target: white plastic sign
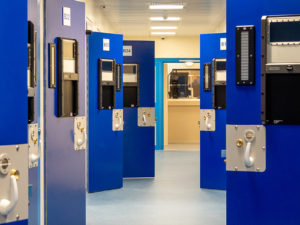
(66, 16)
(223, 44)
(127, 50)
(106, 45)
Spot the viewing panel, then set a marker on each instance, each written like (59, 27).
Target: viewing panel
(107, 83)
(131, 85)
(219, 83)
(68, 77)
(280, 70)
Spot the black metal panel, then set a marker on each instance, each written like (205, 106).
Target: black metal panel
(282, 99)
(32, 53)
(30, 109)
(31, 73)
(280, 82)
(131, 89)
(106, 89)
(219, 87)
(207, 77)
(245, 55)
(68, 82)
(220, 97)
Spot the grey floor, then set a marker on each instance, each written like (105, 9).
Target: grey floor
(172, 198)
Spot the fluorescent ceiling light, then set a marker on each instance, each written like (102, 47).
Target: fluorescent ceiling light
(163, 33)
(163, 28)
(189, 63)
(165, 18)
(190, 60)
(166, 6)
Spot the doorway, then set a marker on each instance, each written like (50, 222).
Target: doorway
(181, 96)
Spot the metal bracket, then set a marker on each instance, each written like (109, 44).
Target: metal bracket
(118, 121)
(14, 162)
(33, 145)
(246, 148)
(207, 120)
(80, 136)
(146, 117)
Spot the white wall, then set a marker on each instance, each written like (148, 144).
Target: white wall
(174, 47)
(95, 19)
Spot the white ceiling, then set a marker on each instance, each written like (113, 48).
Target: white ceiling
(131, 17)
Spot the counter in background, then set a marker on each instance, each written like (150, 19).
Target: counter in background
(184, 115)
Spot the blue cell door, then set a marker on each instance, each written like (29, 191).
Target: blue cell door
(139, 118)
(212, 143)
(105, 103)
(267, 194)
(64, 112)
(14, 114)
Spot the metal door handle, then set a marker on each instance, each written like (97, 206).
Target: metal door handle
(144, 119)
(81, 141)
(7, 206)
(118, 125)
(34, 157)
(207, 122)
(249, 137)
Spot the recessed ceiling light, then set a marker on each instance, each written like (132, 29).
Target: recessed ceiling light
(163, 33)
(165, 18)
(163, 28)
(166, 6)
(189, 63)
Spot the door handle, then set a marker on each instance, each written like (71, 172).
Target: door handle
(7, 206)
(34, 157)
(81, 141)
(249, 137)
(118, 125)
(207, 121)
(144, 118)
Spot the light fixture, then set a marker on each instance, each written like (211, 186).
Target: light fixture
(163, 33)
(190, 60)
(163, 28)
(189, 63)
(160, 18)
(166, 6)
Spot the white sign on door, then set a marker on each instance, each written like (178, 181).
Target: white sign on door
(66, 16)
(106, 45)
(127, 50)
(223, 44)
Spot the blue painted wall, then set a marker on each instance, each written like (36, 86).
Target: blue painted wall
(212, 166)
(13, 85)
(159, 100)
(139, 158)
(269, 198)
(105, 154)
(64, 167)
